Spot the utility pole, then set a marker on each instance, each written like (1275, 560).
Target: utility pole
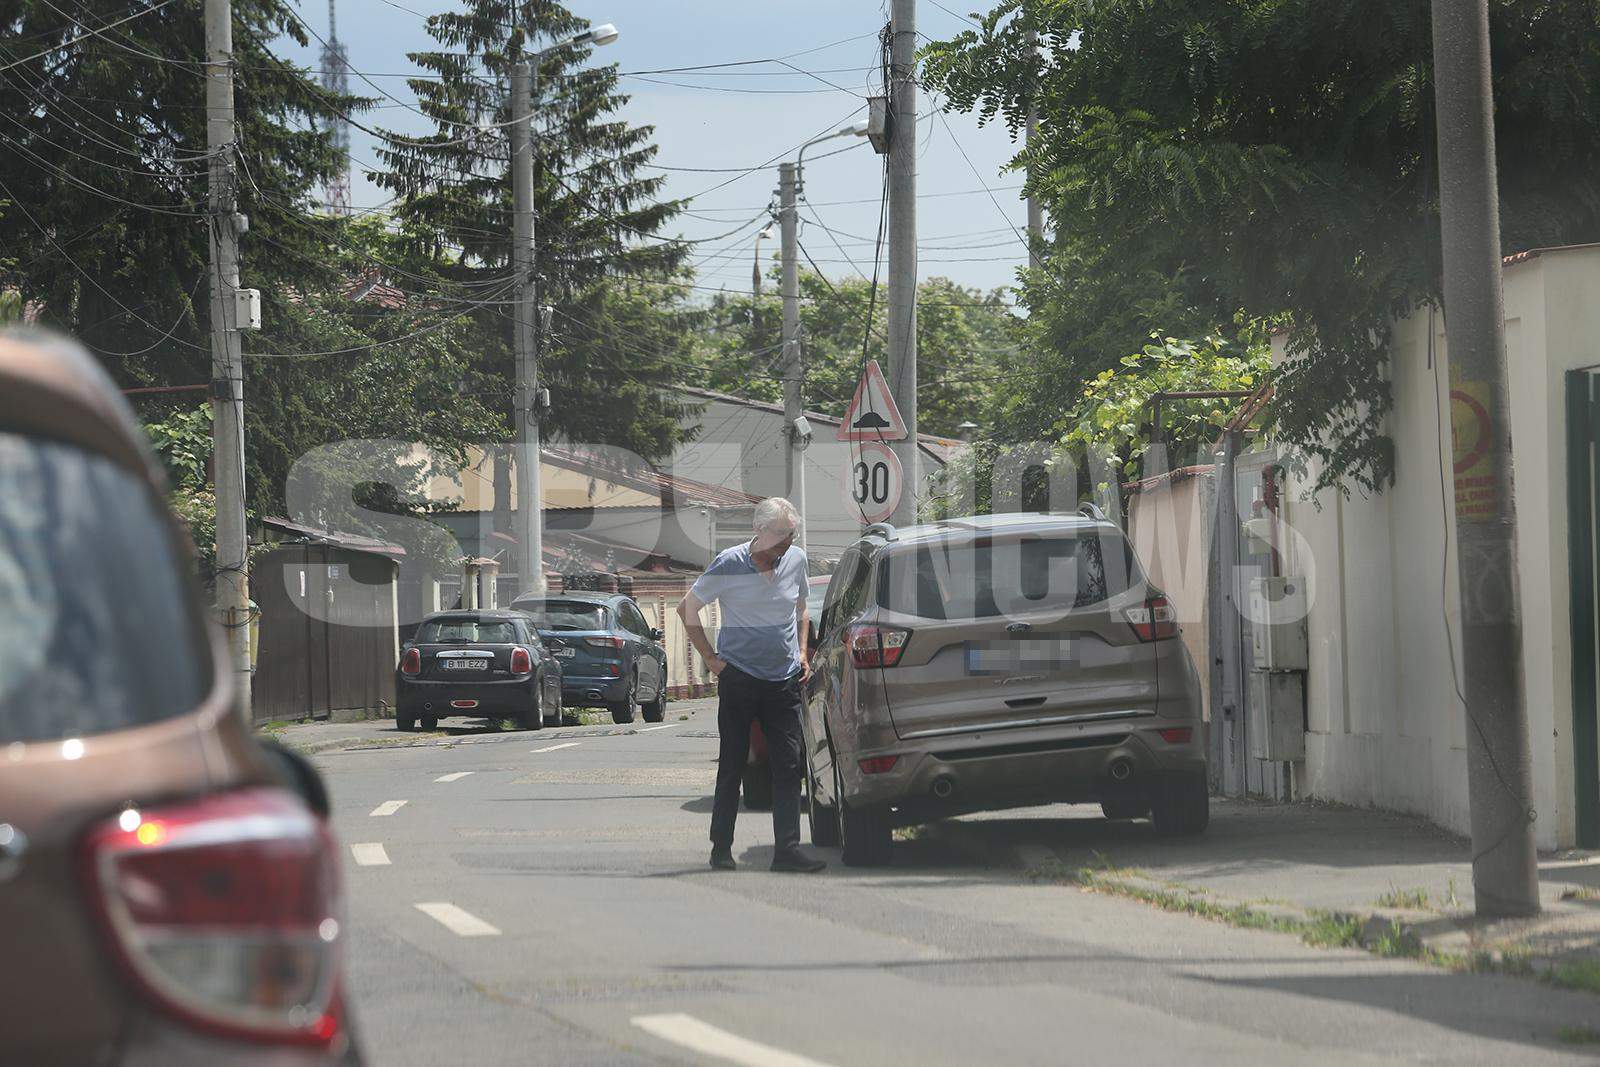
(1505, 878)
(227, 361)
(529, 522)
(1035, 209)
(902, 304)
(794, 477)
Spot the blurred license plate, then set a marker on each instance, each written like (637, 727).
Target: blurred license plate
(1007, 657)
(464, 664)
(566, 653)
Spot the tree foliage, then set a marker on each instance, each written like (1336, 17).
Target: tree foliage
(1199, 157)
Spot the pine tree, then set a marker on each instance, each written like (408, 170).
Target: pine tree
(597, 213)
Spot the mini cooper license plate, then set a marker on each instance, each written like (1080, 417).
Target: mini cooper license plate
(463, 664)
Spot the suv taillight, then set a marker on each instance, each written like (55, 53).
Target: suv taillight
(872, 645)
(225, 912)
(604, 642)
(521, 661)
(411, 662)
(1154, 620)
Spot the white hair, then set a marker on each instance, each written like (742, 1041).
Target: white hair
(770, 510)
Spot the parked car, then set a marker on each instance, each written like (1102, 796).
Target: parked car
(610, 655)
(170, 888)
(489, 664)
(757, 783)
(992, 662)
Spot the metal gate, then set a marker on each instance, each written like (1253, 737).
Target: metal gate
(1583, 520)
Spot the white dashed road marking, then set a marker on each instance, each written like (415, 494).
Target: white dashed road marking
(557, 748)
(691, 1033)
(370, 854)
(388, 807)
(452, 777)
(458, 922)
(663, 726)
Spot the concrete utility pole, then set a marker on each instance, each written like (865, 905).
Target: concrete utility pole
(529, 520)
(227, 361)
(792, 374)
(1035, 209)
(1505, 878)
(902, 303)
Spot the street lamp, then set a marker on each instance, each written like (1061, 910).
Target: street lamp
(529, 521)
(755, 272)
(789, 188)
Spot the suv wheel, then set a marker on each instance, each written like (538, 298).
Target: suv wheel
(823, 819)
(656, 710)
(623, 710)
(1181, 805)
(1124, 809)
(864, 833)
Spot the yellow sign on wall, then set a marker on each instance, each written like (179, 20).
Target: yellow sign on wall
(1471, 440)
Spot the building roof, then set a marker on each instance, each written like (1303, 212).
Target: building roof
(671, 489)
(940, 448)
(336, 538)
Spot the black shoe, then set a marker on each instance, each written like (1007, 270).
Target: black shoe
(722, 859)
(796, 862)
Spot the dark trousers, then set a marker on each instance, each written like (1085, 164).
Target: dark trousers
(741, 700)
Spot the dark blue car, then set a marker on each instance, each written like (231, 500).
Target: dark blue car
(609, 653)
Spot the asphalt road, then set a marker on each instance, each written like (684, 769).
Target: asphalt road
(543, 898)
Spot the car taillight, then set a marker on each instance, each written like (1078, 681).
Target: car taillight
(521, 661)
(411, 662)
(604, 642)
(225, 912)
(1177, 735)
(1154, 620)
(872, 645)
(878, 764)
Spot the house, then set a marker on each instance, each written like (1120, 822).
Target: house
(1373, 716)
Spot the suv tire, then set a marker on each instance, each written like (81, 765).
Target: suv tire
(623, 710)
(656, 710)
(864, 833)
(1124, 809)
(824, 820)
(1181, 805)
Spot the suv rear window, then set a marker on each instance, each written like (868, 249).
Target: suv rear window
(565, 614)
(988, 577)
(97, 632)
(467, 632)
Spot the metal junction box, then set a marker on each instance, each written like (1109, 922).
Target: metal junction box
(1278, 624)
(1277, 726)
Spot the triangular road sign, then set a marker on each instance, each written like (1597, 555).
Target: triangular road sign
(872, 415)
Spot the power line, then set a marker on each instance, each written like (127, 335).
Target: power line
(93, 32)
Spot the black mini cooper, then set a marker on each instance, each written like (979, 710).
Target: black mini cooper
(489, 664)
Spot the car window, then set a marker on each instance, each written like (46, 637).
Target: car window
(847, 591)
(633, 619)
(97, 632)
(565, 614)
(989, 577)
(467, 631)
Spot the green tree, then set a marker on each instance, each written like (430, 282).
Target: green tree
(597, 215)
(1198, 157)
(963, 335)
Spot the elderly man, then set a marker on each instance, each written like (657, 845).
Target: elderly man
(760, 668)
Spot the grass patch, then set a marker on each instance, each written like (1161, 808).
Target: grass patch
(1579, 1035)
(1415, 899)
(1582, 892)
(1575, 974)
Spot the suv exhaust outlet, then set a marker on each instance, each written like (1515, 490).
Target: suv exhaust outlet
(944, 787)
(1121, 769)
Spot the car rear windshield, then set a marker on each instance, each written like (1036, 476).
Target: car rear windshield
(565, 614)
(467, 632)
(97, 631)
(988, 577)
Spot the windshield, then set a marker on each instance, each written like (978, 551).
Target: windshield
(989, 577)
(96, 632)
(565, 614)
(467, 631)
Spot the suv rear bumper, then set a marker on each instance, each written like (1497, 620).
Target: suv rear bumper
(1003, 769)
(577, 690)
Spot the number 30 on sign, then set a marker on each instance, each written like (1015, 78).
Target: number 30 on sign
(874, 481)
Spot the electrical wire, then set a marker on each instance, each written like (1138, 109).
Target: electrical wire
(94, 32)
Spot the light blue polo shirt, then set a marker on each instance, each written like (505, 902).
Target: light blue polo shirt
(758, 633)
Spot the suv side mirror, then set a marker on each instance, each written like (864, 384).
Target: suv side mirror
(656, 633)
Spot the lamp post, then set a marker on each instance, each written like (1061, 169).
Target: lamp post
(790, 185)
(528, 523)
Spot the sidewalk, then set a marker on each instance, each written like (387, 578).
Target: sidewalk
(1393, 883)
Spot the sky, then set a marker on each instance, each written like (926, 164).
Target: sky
(970, 217)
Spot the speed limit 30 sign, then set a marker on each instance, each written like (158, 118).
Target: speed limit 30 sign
(873, 484)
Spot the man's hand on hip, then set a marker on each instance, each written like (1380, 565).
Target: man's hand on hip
(716, 663)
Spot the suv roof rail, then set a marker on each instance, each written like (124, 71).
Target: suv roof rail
(880, 529)
(1091, 509)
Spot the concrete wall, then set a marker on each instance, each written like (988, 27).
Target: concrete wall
(1169, 522)
(1385, 724)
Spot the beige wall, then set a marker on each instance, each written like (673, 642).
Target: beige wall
(1386, 726)
(1170, 524)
